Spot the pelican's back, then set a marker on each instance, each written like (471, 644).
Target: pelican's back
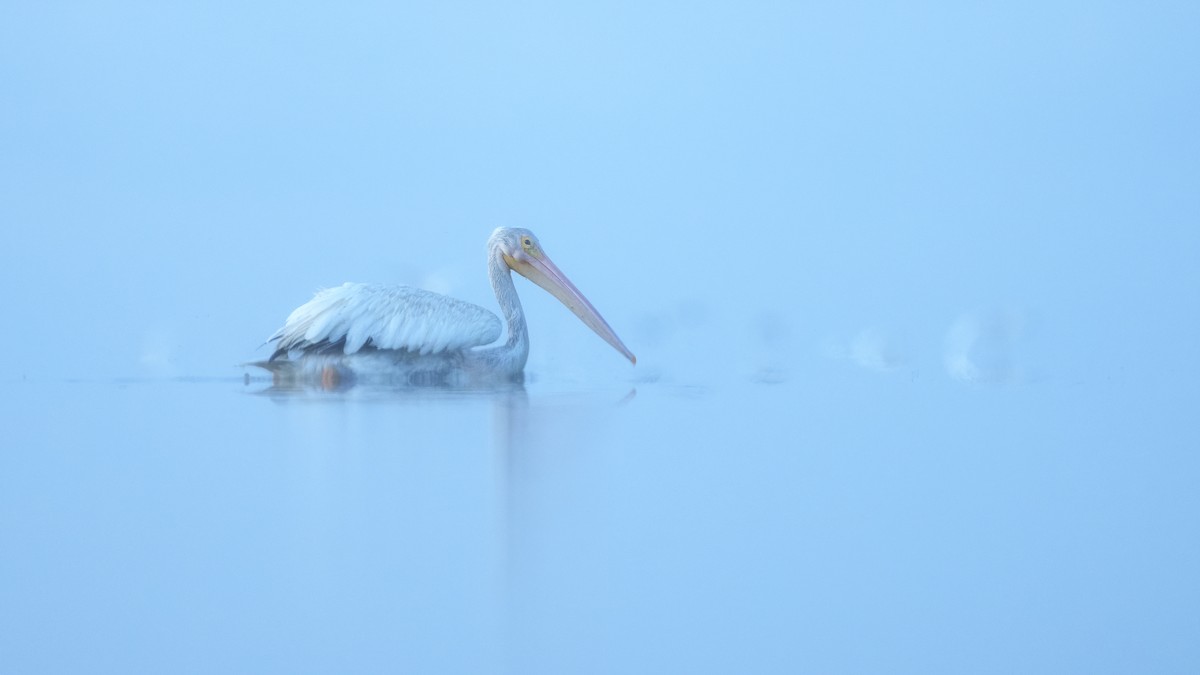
(384, 316)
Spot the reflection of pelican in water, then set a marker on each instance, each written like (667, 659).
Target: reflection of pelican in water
(392, 334)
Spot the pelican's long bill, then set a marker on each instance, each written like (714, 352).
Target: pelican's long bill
(541, 271)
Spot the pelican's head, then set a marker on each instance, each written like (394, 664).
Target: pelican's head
(521, 251)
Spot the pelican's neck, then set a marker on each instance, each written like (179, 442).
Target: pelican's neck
(510, 356)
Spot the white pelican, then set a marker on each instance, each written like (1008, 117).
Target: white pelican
(388, 333)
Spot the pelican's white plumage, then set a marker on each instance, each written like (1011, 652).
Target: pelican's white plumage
(394, 334)
(386, 316)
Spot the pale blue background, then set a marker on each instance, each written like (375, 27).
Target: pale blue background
(913, 288)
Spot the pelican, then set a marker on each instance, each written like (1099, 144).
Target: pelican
(394, 334)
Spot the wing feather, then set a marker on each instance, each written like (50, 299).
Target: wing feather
(385, 316)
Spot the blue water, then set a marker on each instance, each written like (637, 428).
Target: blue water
(903, 526)
(913, 289)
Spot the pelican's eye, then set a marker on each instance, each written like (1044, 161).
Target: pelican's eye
(527, 243)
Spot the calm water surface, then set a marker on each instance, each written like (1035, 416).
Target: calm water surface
(913, 289)
(868, 524)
